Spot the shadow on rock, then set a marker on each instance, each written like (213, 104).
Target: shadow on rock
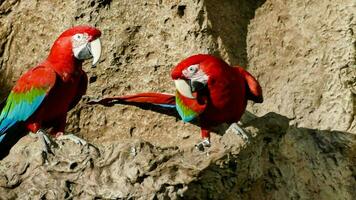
(12, 136)
(282, 162)
(278, 161)
(229, 21)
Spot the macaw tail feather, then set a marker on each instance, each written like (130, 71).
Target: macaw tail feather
(10, 138)
(158, 102)
(164, 100)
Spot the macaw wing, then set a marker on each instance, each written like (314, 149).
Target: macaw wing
(26, 97)
(189, 109)
(254, 90)
(83, 84)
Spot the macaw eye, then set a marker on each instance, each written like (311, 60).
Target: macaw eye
(78, 37)
(193, 68)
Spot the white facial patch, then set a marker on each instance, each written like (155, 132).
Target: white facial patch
(190, 71)
(200, 76)
(79, 39)
(194, 73)
(80, 46)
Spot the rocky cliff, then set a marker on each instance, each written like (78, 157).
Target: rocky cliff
(302, 52)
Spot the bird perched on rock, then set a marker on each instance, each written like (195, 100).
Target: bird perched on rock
(207, 90)
(43, 95)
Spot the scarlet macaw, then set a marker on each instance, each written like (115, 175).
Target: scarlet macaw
(208, 90)
(43, 95)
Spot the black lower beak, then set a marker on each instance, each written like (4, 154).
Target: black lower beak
(196, 86)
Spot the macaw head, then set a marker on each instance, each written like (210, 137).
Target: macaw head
(81, 42)
(196, 73)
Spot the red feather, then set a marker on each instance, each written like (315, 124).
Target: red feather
(148, 97)
(63, 75)
(229, 88)
(254, 90)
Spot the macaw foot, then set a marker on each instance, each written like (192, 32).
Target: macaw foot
(46, 141)
(239, 131)
(71, 137)
(205, 143)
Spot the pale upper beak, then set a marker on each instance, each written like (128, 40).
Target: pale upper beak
(184, 88)
(95, 50)
(89, 50)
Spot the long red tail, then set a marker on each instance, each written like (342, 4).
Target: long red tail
(165, 100)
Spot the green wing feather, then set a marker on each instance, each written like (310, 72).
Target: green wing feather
(26, 97)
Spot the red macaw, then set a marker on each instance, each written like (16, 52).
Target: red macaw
(208, 90)
(43, 95)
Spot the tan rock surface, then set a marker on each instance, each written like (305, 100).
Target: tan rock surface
(302, 52)
(278, 162)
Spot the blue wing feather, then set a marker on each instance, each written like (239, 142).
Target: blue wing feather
(166, 105)
(15, 112)
(26, 97)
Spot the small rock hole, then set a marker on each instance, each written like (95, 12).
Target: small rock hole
(73, 165)
(181, 10)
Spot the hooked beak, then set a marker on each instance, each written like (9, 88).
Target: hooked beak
(89, 50)
(194, 84)
(184, 88)
(95, 50)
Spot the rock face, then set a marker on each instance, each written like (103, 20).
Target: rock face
(278, 162)
(302, 52)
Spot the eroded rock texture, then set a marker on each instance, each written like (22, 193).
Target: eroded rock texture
(278, 162)
(302, 52)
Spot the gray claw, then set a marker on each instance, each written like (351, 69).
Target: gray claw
(46, 141)
(203, 144)
(73, 138)
(239, 131)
